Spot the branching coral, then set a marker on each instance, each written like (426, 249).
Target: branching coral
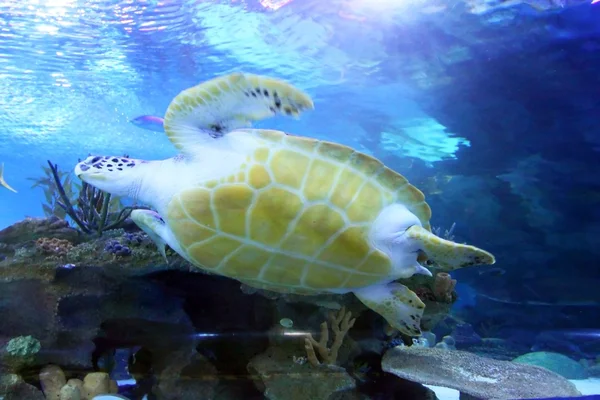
(91, 213)
(443, 286)
(448, 234)
(340, 325)
(56, 247)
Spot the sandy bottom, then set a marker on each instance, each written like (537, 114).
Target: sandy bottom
(585, 386)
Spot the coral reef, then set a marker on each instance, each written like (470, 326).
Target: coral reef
(114, 247)
(340, 325)
(92, 210)
(443, 287)
(555, 362)
(19, 352)
(53, 246)
(74, 301)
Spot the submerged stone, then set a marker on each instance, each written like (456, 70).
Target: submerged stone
(555, 362)
(479, 377)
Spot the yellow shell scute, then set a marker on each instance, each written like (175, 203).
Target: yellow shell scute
(271, 135)
(189, 232)
(289, 167)
(348, 249)
(322, 277)
(365, 163)
(321, 177)
(391, 180)
(347, 186)
(341, 154)
(211, 252)
(246, 262)
(211, 184)
(284, 270)
(258, 177)
(261, 155)
(316, 224)
(196, 203)
(357, 280)
(231, 203)
(376, 263)
(274, 209)
(305, 144)
(410, 195)
(367, 204)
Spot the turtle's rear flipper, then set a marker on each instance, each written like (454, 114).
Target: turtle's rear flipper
(445, 253)
(399, 305)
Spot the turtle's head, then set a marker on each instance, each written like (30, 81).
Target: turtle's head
(119, 176)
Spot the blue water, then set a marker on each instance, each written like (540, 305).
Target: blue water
(490, 107)
(74, 72)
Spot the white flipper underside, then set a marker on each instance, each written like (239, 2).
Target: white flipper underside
(203, 113)
(153, 225)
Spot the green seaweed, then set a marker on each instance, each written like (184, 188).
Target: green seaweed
(51, 193)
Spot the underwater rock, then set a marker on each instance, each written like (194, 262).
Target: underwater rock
(34, 228)
(54, 387)
(475, 376)
(435, 312)
(52, 379)
(70, 392)
(555, 362)
(284, 377)
(576, 343)
(447, 343)
(13, 387)
(465, 336)
(95, 383)
(496, 348)
(18, 353)
(188, 376)
(594, 370)
(62, 299)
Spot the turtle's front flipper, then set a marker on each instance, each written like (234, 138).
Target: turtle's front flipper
(213, 108)
(399, 305)
(154, 226)
(446, 254)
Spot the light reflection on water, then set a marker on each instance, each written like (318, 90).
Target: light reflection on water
(74, 72)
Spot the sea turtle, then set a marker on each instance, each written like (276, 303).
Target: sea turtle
(280, 212)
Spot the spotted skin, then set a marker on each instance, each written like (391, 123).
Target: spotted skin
(402, 306)
(108, 163)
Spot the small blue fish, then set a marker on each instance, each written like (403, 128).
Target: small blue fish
(149, 122)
